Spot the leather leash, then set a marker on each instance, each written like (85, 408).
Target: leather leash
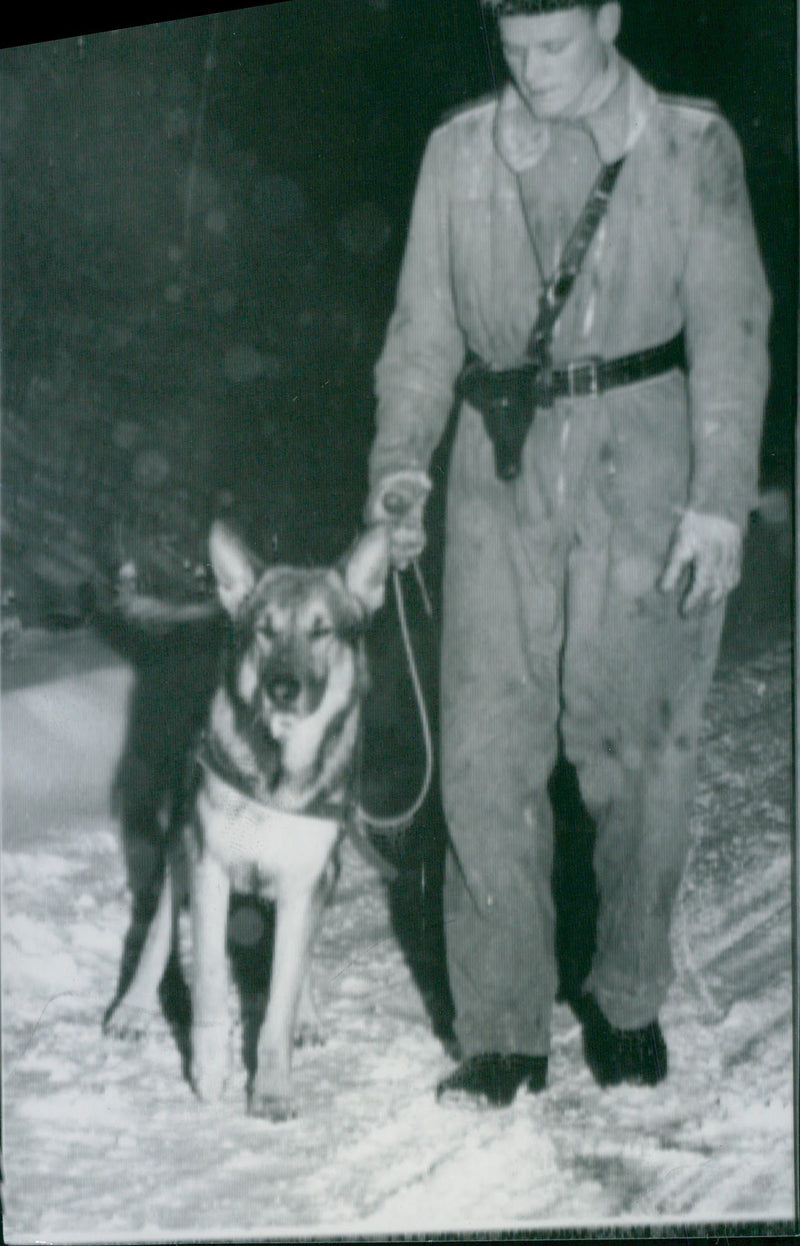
(394, 823)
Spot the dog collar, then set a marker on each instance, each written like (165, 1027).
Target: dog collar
(210, 760)
(344, 812)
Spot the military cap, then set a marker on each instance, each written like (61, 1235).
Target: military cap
(521, 8)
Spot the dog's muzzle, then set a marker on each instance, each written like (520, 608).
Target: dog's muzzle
(284, 689)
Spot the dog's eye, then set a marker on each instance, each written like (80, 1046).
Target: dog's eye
(319, 630)
(266, 629)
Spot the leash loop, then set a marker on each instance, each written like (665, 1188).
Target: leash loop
(393, 823)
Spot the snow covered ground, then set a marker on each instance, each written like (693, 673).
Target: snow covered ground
(107, 1142)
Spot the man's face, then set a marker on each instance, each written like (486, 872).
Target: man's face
(554, 57)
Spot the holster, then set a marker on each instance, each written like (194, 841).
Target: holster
(507, 400)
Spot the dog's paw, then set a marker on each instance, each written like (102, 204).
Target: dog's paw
(271, 1106)
(309, 1033)
(208, 1082)
(269, 1094)
(127, 1022)
(210, 1062)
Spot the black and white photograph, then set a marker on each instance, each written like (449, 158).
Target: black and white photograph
(398, 452)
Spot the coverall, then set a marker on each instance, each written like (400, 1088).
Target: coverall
(553, 620)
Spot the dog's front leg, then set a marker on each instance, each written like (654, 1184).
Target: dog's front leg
(298, 910)
(210, 893)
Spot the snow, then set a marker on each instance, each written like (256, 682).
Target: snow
(106, 1142)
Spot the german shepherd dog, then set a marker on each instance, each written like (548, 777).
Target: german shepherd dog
(273, 772)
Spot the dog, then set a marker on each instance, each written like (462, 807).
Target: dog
(274, 768)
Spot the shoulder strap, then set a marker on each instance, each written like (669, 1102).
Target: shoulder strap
(558, 288)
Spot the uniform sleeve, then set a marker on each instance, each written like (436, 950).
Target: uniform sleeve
(727, 309)
(424, 346)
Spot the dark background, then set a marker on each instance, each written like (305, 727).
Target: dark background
(204, 218)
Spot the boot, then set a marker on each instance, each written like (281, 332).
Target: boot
(491, 1079)
(614, 1056)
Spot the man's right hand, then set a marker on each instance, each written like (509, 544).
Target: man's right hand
(398, 500)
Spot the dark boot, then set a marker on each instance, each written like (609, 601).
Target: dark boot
(614, 1056)
(493, 1080)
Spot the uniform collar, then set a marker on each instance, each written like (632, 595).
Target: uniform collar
(621, 106)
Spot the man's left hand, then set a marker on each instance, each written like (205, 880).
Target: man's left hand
(712, 547)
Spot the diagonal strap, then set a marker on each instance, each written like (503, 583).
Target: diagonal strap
(557, 290)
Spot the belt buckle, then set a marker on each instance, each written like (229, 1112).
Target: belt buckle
(593, 363)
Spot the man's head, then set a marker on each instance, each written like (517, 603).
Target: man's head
(555, 49)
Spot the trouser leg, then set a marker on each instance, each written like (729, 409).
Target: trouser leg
(502, 630)
(636, 675)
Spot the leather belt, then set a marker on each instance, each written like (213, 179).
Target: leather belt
(583, 377)
(592, 376)
(509, 398)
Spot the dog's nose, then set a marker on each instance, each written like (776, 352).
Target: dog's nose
(284, 689)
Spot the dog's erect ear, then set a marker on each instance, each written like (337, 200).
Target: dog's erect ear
(367, 566)
(235, 567)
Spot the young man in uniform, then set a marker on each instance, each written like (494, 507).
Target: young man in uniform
(603, 469)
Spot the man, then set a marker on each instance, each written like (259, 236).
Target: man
(587, 560)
